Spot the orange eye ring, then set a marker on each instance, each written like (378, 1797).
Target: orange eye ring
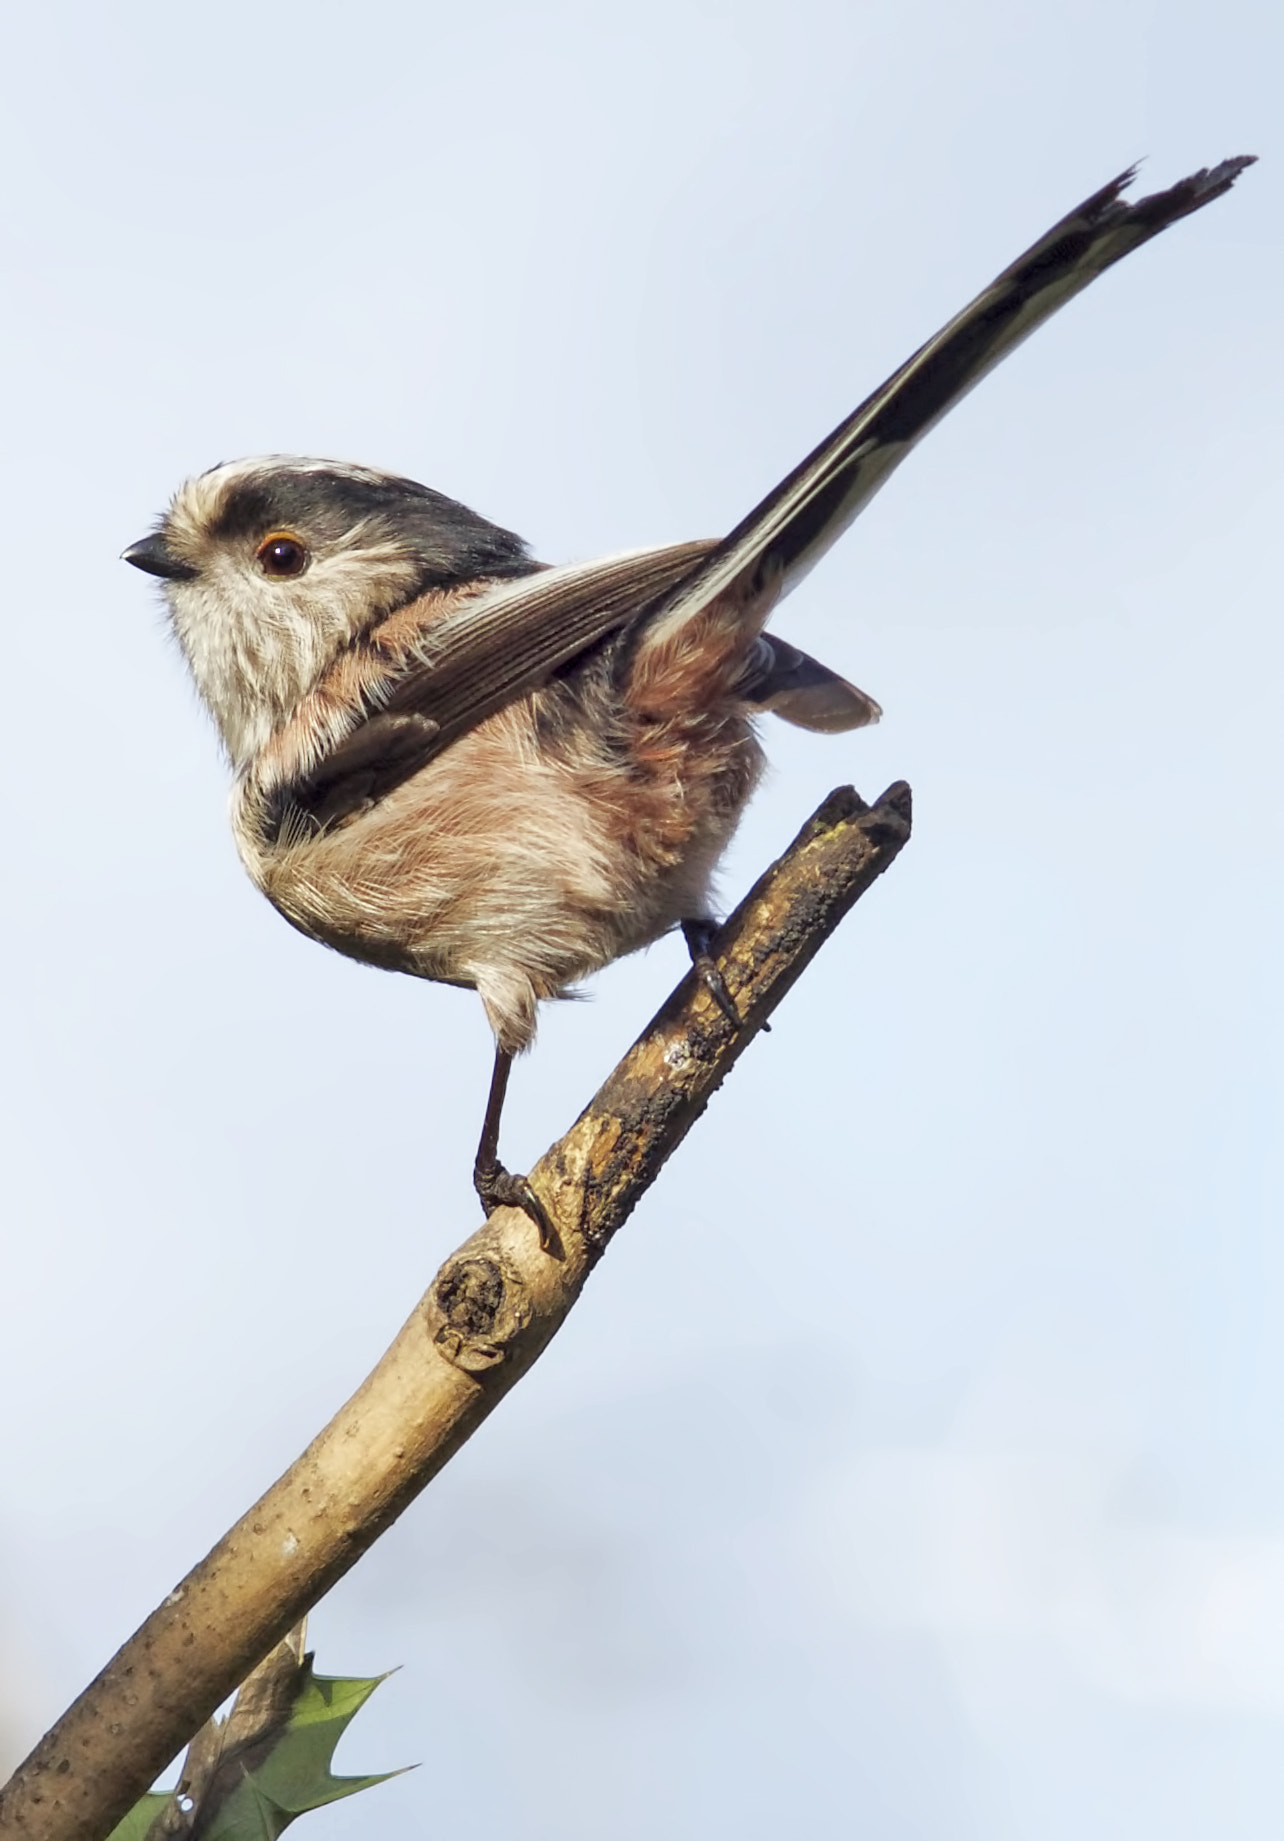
(281, 555)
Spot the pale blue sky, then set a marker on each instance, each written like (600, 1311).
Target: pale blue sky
(944, 1500)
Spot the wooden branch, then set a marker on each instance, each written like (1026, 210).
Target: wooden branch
(486, 1317)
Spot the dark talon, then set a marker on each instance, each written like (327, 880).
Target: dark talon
(698, 935)
(498, 1188)
(715, 984)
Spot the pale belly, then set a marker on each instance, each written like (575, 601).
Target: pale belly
(517, 895)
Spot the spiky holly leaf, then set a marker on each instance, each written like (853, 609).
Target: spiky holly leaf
(248, 1777)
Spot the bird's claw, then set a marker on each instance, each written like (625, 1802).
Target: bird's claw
(498, 1188)
(699, 935)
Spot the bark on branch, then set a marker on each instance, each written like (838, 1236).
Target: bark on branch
(486, 1317)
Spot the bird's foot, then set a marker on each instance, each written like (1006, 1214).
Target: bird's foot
(699, 936)
(498, 1188)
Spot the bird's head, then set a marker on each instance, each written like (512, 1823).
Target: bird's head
(272, 565)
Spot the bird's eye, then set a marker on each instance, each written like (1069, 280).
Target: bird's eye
(282, 554)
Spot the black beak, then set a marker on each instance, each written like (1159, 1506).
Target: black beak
(154, 556)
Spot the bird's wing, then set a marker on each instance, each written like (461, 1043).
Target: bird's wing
(790, 531)
(466, 663)
(485, 653)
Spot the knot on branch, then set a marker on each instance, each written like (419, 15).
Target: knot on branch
(484, 1305)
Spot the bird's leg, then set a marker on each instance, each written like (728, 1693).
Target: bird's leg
(496, 1186)
(698, 935)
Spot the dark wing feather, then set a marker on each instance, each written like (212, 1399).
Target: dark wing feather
(487, 652)
(471, 662)
(366, 765)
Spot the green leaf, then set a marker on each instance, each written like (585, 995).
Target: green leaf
(295, 1775)
(251, 1786)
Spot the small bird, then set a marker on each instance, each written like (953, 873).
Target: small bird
(454, 761)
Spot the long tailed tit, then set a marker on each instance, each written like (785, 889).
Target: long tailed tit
(453, 761)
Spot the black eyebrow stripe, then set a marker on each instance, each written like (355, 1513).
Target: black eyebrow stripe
(323, 505)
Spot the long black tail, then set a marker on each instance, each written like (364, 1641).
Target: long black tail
(796, 523)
